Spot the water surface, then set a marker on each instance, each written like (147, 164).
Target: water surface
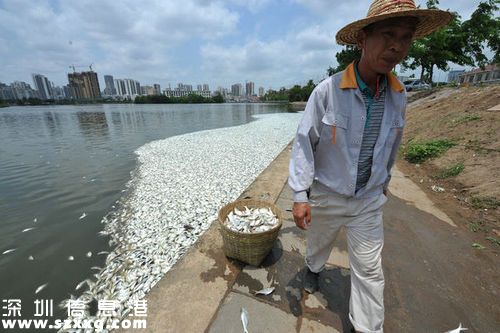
(60, 162)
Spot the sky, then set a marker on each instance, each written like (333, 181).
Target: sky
(274, 43)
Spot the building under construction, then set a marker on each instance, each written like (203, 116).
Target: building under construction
(84, 85)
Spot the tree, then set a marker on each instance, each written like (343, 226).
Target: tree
(459, 43)
(437, 49)
(218, 98)
(344, 58)
(483, 27)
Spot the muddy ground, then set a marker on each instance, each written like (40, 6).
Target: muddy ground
(463, 116)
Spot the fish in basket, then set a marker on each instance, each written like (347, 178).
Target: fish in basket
(249, 229)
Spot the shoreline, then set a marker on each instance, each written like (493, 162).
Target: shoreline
(172, 204)
(199, 270)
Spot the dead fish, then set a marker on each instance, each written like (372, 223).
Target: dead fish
(458, 329)
(89, 254)
(83, 216)
(102, 252)
(31, 258)
(27, 229)
(8, 251)
(96, 268)
(71, 258)
(244, 319)
(87, 281)
(35, 220)
(265, 291)
(42, 287)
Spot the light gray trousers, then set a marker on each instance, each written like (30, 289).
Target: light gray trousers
(362, 219)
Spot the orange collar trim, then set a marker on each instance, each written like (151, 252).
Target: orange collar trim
(349, 80)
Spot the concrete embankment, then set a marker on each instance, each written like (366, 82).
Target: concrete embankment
(434, 278)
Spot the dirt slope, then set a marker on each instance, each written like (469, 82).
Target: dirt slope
(461, 115)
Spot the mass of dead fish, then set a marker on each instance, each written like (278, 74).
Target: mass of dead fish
(251, 220)
(173, 197)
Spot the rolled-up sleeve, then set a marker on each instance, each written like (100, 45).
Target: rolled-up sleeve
(301, 168)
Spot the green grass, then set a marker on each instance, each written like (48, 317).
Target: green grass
(484, 202)
(464, 119)
(450, 171)
(493, 240)
(476, 226)
(420, 152)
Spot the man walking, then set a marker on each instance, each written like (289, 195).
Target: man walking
(345, 147)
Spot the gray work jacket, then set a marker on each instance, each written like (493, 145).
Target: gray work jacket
(329, 136)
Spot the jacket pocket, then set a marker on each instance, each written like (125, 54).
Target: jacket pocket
(337, 125)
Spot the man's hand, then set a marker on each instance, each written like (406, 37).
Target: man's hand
(302, 214)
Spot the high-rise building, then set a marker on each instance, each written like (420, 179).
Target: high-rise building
(84, 85)
(58, 93)
(42, 85)
(148, 90)
(128, 87)
(22, 90)
(261, 91)
(6, 92)
(199, 87)
(250, 88)
(68, 92)
(110, 85)
(236, 89)
(206, 87)
(157, 89)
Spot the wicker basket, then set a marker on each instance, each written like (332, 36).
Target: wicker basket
(250, 248)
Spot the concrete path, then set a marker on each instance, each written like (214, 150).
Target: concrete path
(434, 278)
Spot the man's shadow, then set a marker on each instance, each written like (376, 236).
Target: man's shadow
(334, 287)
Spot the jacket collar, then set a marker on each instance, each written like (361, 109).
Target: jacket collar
(349, 80)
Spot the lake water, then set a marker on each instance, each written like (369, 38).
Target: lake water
(60, 163)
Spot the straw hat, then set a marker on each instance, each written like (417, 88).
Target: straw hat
(429, 20)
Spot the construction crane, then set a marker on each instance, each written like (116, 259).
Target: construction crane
(78, 66)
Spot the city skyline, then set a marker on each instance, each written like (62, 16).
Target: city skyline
(193, 41)
(85, 85)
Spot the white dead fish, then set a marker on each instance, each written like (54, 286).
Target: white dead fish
(89, 254)
(27, 229)
(83, 216)
(102, 252)
(251, 220)
(8, 251)
(87, 281)
(244, 319)
(265, 291)
(458, 329)
(31, 258)
(35, 220)
(437, 189)
(42, 287)
(71, 258)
